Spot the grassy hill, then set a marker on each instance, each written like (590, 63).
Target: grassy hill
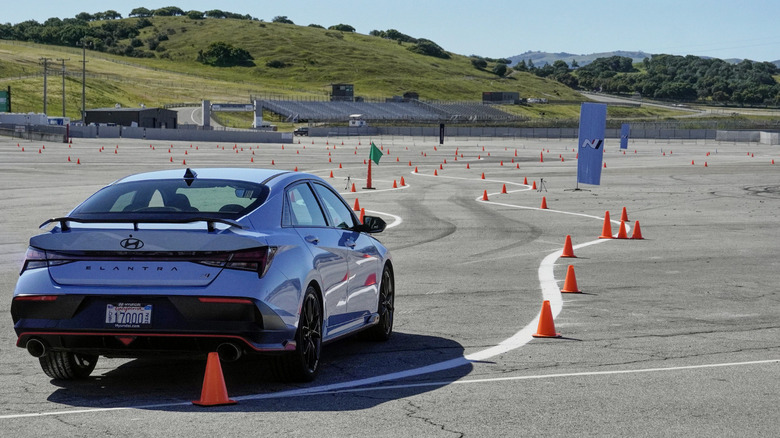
(313, 58)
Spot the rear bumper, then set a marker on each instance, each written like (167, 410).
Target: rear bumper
(140, 344)
(179, 324)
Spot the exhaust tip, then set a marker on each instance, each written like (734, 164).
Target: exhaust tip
(36, 348)
(229, 352)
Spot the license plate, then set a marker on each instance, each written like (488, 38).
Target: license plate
(129, 315)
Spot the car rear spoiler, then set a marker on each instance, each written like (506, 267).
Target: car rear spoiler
(210, 222)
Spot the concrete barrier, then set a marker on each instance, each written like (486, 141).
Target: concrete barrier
(769, 137)
(738, 136)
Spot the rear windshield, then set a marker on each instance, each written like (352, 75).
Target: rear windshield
(202, 197)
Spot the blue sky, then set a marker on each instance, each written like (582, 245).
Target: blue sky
(504, 28)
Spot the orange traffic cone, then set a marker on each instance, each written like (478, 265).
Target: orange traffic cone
(637, 234)
(214, 392)
(483, 175)
(622, 234)
(395, 184)
(469, 167)
(570, 284)
(568, 250)
(331, 174)
(541, 157)
(484, 195)
(606, 230)
(362, 215)
(415, 169)
(533, 187)
(353, 188)
(546, 328)
(544, 203)
(357, 205)
(403, 183)
(503, 188)
(525, 180)
(624, 215)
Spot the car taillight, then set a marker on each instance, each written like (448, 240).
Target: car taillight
(36, 298)
(256, 260)
(38, 258)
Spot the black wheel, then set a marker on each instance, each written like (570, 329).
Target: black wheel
(384, 328)
(63, 365)
(303, 364)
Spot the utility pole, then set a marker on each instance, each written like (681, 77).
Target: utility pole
(45, 68)
(63, 83)
(83, 44)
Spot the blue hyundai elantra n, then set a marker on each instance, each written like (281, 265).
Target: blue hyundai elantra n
(237, 261)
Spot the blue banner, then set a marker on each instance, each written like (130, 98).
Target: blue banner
(625, 131)
(593, 121)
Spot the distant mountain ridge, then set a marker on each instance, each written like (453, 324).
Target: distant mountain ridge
(541, 58)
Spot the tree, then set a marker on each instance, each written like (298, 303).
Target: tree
(140, 12)
(429, 48)
(111, 15)
(500, 69)
(195, 15)
(222, 54)
(342, 28)
(393, 34)
(317, 26)
(215, 13)
(282, 19)
(85, 16)
(479, 63)
(168, 11)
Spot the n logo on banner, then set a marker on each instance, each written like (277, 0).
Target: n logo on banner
(625, 131)
(593, 121)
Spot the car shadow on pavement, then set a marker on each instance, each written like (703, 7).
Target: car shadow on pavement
(171, 383)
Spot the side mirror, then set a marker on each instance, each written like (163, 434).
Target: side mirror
(372, 224)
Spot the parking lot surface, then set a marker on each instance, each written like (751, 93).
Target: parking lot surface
(674, 334)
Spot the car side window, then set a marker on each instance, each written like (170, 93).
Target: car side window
(302, 208)
(339, 213)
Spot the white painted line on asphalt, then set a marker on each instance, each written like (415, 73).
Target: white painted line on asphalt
(330, 390)
(541, 376)
(397, 220)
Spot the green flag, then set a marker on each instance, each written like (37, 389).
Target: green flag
(375, 153)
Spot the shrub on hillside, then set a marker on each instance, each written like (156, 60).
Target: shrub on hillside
(429, 48)
(342, 28)
(222, 54)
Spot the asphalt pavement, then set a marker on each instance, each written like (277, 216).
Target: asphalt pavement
(674, 334)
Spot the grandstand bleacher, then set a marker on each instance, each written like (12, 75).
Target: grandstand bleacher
(411, 110)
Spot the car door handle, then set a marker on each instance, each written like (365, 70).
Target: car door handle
(350, 243)
(312, 239)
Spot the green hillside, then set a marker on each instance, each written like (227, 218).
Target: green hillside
(311, 59)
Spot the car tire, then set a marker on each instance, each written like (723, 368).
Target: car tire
(385, 308)
(63, 365)
(303, 364)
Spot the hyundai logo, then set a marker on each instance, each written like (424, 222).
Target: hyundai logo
(132, 243)
(595, 143)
